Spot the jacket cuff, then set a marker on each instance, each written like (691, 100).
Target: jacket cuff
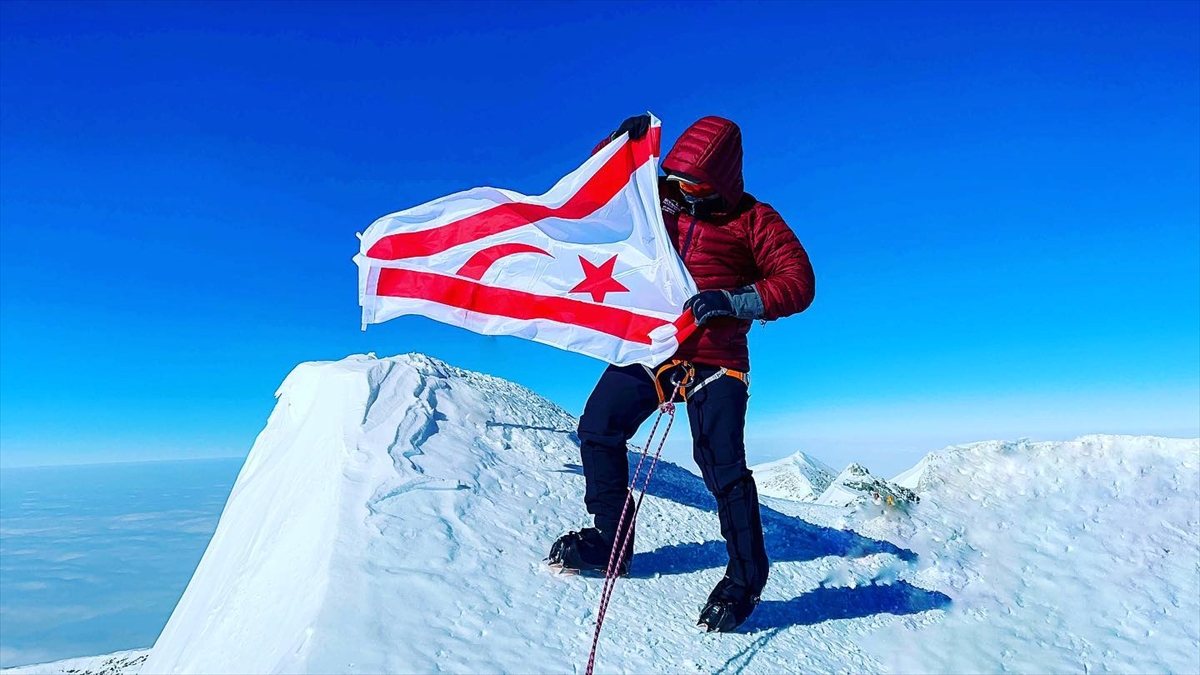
(747, 303)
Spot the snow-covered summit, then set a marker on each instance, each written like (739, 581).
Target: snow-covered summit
(855, 484)
(379, 500)
(797, 477)
(393, 516)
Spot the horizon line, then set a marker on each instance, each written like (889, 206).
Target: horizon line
(5, 467)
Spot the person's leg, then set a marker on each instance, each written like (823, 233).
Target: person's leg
(623, 399)
(717, 415)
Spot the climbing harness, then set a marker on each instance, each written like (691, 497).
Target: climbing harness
(691, 388)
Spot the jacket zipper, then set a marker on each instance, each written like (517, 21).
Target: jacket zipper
(687, 241)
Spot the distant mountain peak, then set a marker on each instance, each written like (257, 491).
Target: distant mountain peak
(855, 484)
(797, 477)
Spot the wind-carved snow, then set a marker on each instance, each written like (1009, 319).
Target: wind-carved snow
(797, 477)
(393, 516)
(1061, 557)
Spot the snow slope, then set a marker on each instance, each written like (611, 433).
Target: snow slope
(797, 477)
(1061, 557)
(393, 515)
(913, 478)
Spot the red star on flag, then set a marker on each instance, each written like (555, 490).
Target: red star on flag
(599, 280)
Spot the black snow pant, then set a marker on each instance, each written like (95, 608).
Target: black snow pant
(623, 399)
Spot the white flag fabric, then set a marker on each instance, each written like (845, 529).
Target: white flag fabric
(586, 267)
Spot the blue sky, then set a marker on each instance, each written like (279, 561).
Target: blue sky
(1001, 202)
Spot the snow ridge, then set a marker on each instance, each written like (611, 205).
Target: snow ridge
(1075, 556)
(797, 477)
(856, 485)
(393, 517)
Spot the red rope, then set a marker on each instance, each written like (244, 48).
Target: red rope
(623, 528)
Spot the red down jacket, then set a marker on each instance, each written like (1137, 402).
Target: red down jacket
(745, 244)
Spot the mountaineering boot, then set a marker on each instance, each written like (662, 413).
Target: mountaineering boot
(588, 550)
(728, 606)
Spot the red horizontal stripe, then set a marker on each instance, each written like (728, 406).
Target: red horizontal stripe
(685, 325)
(596, 192)
(479, 263)
(477, 297)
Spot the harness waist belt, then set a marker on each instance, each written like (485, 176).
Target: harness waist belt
(687, 384)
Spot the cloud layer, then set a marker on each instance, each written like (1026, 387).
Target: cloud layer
(94, 558)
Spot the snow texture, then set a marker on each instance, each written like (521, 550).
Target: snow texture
(1061, 557)
(393, 516)
(797, 477)
(118, 663)
(914, 478)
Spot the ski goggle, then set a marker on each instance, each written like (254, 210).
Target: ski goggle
(696, 189)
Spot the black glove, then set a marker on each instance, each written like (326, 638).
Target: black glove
(743, 303)
(707, 305)
(637, 127)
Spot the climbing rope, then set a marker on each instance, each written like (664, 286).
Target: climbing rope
(667, 409)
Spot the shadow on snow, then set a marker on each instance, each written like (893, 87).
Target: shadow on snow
(826, 604)
(788, 539)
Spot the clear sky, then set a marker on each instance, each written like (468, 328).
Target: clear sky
(1001, 202)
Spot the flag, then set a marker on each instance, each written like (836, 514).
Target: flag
(586, 267)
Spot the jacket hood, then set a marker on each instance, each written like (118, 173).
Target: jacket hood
(710, 150)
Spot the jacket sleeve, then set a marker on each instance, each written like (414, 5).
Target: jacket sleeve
(788, 285)
(601, 144)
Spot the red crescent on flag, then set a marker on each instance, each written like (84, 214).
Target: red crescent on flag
(483, 260)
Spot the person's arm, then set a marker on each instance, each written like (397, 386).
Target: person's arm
(787, 286)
